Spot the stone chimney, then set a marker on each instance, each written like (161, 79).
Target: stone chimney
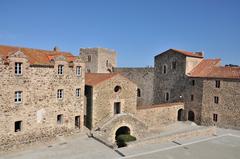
(56, 49)
(200, 53)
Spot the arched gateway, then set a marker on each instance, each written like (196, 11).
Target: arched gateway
(191, 116)
(124, 130)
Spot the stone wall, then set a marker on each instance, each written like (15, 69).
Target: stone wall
(143, 77)
(159, 115)
(90, 66)
(39, 107)
(228, 108)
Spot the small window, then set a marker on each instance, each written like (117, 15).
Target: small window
(138, 92)
(215, 117)
(18, 96)
(164, 69)
(107, 63)
(117, 108)
(167, 96)
(193, 82)
(78, 92)
(18, 126)
(77, 122)
(217, 83)
(60, 69)
(88, 70)
(89, 58)
(192, 97)
(78, 70)
(174, 65)
(216, 99)
(60, 94)
(60, 119)
(117, 89)
(18, 68)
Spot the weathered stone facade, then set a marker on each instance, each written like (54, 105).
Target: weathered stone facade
(143, 77)
(39, 106)
(98, 60)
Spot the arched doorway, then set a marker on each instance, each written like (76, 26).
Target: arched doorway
(180, 115)
(122, 130)
(191, 116)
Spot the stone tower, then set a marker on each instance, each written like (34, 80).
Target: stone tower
(98, 60)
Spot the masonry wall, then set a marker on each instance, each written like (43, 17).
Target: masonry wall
(104, 98)
(39, 107)
(160, 115)
(90, 66)
(228, 109)
(143, 77)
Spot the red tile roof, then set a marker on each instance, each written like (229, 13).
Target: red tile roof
(209, 68)
(187, 53)
(35, 56)
(93, 79)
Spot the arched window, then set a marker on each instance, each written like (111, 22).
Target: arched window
(117, 89)
(138, 92)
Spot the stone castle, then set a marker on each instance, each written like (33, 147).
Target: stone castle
(48, 93)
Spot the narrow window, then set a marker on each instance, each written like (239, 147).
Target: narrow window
(215, 117)
(60, 119)
(164, 69)
(174, 65)
(77, 122)
(78, 92)
(117, 108)
(60, 93)
(78, 70)
(107, 63)
(217, 83)
(193, 82)
(216, 99)
(18, 126)
(18, 96)
(192, 97)
(89, 58)
(167, 96)
(60, 69)
(138, 92)
(18, 68)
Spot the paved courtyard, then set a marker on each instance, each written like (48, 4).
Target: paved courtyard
(226, 145)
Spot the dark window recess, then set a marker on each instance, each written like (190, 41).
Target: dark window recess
(77, 122)
(174, 65)
(193, 82)
(117, 108)
(117, 89)
(164, 69)
(167, 96)
(59, 119)
(215, 117)
(216, 100)
(192, 97)
(89, 58)
(217, 83)
(18, 126)
(138, 92)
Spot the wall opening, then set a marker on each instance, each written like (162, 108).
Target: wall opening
(60, 119)
(18, 126)
(77, 122)
(180, 115)
(117, 108)
(122, 136)
(191, 116)
(138, 92)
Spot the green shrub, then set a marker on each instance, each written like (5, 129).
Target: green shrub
(123, 139)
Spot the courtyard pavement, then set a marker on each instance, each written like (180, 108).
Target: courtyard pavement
(225, 145)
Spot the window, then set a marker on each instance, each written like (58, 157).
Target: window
(217, 83)
(18, 68)
(167, 96)
(60, 119)
(18, 126)
(60, 94)
(77, 122)
(78, 70)
(174, 65)
(89, 58)
(117, 89)
(138, 92)
(164, 69)
(88, 70)
(78, 92)
(193, 82)
(117, 108)
(192, 97)
(215, 117)
(60, 69)
(216, 100)
(18, 96)
(107, 63)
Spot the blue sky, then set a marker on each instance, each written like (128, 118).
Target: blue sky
(137, 29)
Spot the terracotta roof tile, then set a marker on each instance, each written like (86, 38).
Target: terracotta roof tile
(93, 79)
(209, 68)
(35, 56)
(187, 53)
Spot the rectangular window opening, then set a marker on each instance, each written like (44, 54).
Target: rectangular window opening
(18, 126)
(60, 69)
(217, 83)
(78, 70)
(117, 108)
(78, 92)
(215, 117)
(18, 68)
(18, 96)
(60, 119)
(60, 94)
(77, 122)
(216, 99)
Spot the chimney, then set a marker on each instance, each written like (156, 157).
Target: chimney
(200, 53)
(56, 49)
